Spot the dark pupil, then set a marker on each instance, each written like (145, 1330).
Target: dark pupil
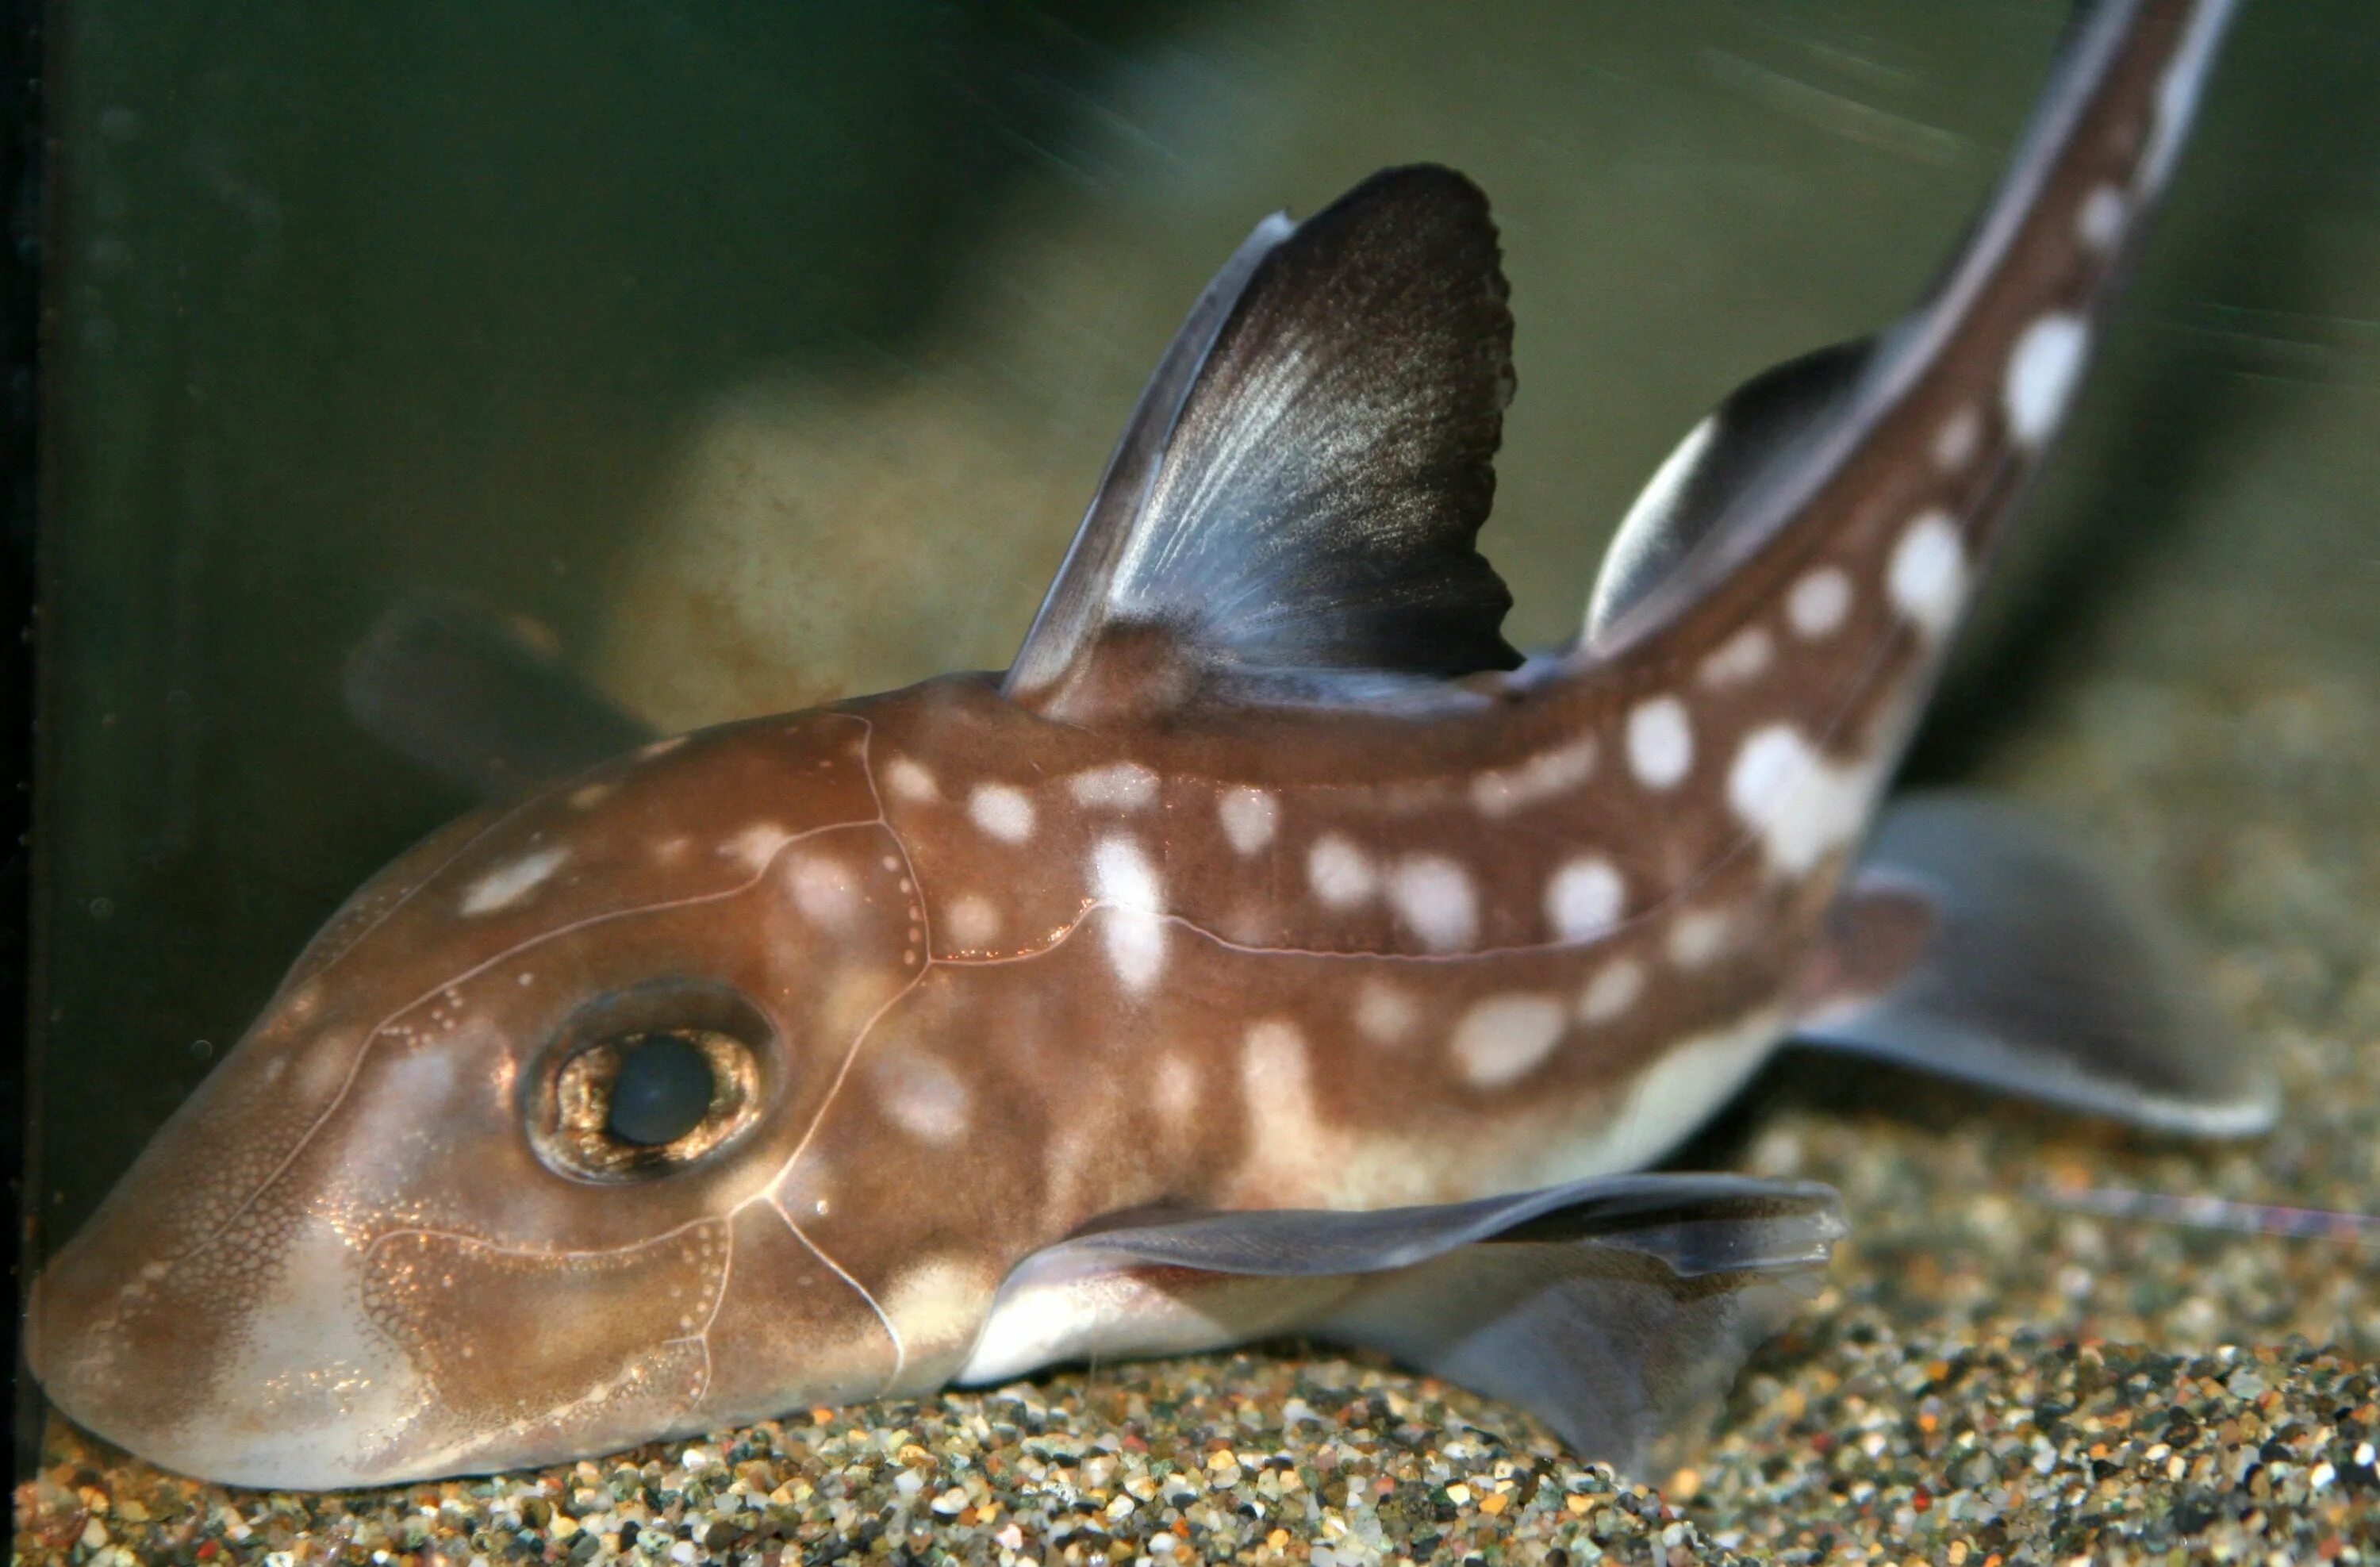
(663, 1091)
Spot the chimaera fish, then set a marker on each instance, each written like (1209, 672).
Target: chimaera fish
(1270, 948)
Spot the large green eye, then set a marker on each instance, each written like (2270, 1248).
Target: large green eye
(648, 1082)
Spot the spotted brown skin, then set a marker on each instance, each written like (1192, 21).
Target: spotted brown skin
(1008, 959)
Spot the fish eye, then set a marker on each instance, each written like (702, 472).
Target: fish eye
(663, 1086)
(649, 1081)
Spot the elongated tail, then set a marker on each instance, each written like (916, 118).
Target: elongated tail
(1862, 487)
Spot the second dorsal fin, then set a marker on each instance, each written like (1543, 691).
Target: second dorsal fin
(1290, 516)
(1761, 428)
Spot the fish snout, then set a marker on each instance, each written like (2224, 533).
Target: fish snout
(209, 1315)
(260, 1376)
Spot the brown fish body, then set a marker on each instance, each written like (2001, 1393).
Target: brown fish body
(1415, 965)
(1263, 949)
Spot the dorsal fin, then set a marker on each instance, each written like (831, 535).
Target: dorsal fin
(1764, 424)
(1291, 515)
(2001, 336)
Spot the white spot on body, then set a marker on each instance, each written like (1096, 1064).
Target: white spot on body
(923, 1097)
(1123, 878)
(1385, 1012)
(1276, 1086)
(825, 890)
(1545, 776)
(1817, 604)
(1068, 1167)
(1742, 658)
(936, 1309)
(508, 884)
(588, 796)
(853, 994)
(1927, 576)
(1960, 437)
(1250, 816)
(1584, 898)
(972, 921)
(1801, 805)
(1340, 873)
(1612, 991)
(2099, 222)
(1004, 813)
(321, 1071)
(909, 779)
(1275, 1065)
(1661, 742)
(1435, 898)
(1699, 937)
(755, 847)
(1502, 1039)
(2042, 370)
(1177, 1090)
(1121, 787)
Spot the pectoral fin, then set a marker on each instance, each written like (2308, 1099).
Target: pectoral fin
(1618, 1309)
(1975, 943)
(459, 693)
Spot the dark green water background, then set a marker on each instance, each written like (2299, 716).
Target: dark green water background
(354, 301)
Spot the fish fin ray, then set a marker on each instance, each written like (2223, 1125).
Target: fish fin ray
(2034, 973)
(456, 691)
(1618, 1309)
(1291, 512)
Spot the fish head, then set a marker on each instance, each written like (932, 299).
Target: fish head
(493, 1179)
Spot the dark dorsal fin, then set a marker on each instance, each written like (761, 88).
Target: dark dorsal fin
(1764, 425)
(1291, 515)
